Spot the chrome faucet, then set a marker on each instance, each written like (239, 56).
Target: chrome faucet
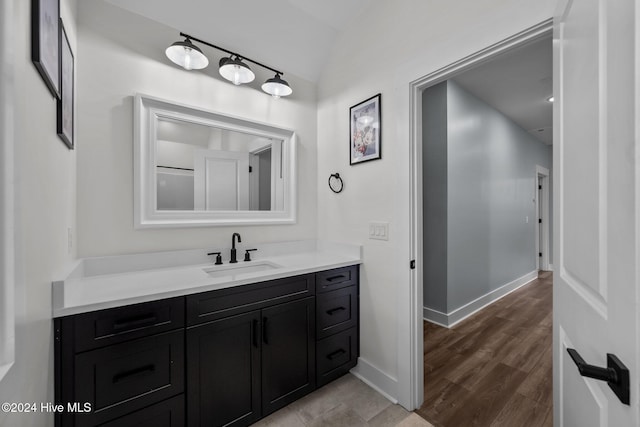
(233, 247)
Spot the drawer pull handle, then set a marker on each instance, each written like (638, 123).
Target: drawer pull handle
(332, 278)
(335, 354)
(335, 310)
(135, 322)
(143, 370)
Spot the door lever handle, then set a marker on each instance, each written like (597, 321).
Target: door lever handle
(616, 374)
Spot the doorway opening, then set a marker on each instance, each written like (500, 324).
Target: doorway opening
(533, 210)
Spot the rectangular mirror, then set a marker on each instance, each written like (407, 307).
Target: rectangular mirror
(199, 168)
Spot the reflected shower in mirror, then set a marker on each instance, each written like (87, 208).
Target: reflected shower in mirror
(207, 168)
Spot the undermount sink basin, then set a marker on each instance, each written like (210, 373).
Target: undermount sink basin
(240, 268)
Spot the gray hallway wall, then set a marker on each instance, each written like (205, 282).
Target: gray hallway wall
(490, 191)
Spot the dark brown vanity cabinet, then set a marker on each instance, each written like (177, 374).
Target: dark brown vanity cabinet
(221, 358)
(223, 371)
(250, 350)
(337, 308)
(119, 361)
(247, 366)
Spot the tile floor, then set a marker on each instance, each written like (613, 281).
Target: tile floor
(346, 402)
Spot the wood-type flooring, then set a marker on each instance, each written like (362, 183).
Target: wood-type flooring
(493, 368)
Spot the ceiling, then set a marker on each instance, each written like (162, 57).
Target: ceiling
(518, 84)
(294, 36)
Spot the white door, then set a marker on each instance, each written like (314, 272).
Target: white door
(596, 207)
(221, 180)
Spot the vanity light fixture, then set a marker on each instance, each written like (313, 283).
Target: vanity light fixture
(187, 55)
(277, 87)
(232, 68)
(236, 71)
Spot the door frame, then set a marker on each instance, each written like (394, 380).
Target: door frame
(411, 379)
(7, 191)
(542, 205)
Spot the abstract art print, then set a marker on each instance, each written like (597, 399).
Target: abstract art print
(365, 139)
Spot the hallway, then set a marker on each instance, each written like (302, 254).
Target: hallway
(495, 367)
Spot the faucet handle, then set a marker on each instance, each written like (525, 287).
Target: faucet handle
(218, 257)
(247, 255)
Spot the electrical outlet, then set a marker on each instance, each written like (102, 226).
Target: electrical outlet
(379, 230)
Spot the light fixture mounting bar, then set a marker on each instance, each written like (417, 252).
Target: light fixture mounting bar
(230, 53)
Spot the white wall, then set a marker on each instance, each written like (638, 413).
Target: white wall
(385, 49)
(45, 193)
(121, 53)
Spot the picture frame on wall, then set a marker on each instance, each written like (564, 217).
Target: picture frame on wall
(66, 108)
(365, 130)
(45, 42)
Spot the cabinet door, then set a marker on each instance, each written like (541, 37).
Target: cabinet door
(223, 372)
(288, 353)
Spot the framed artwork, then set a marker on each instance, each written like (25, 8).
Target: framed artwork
(365, 126)
(65, 122)
(45, 42)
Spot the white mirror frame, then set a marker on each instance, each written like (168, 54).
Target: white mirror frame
(147, 109)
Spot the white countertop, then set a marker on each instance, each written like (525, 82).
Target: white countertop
(107, 282)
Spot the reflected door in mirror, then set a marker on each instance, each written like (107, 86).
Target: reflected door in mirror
(221, 180)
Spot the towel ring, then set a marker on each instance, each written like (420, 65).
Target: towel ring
(334, 179)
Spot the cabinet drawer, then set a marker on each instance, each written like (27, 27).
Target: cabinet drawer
(336, 311)
(125, 377)
(168, 413)
(336, 355)
(214, 305)
(111, 326)
(337, 278)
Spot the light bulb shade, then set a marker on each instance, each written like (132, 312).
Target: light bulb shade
(187, 55)
(236, 71)
(277, 87)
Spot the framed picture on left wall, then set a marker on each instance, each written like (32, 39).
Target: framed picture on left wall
(45, 42)
(65, 121)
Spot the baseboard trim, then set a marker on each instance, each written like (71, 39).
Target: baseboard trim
(458, 315)
(550, 267)
(435, 316)
(376, 379)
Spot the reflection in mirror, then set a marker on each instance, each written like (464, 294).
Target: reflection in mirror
(201, 167)
(196, 168)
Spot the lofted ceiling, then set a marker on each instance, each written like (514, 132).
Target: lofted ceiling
(294, 36)
(518, 84)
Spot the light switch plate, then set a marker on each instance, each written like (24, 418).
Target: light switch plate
(379, 230)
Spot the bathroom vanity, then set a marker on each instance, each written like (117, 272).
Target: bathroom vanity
(228, 346)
